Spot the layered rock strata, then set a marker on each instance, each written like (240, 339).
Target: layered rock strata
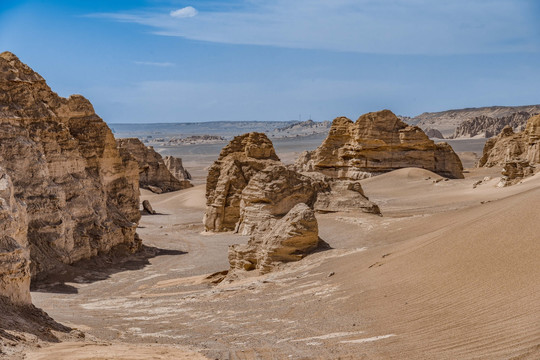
(237, 163)
(290, 239)
(82, 198)
(14, 254)
(517, 153)
(377, 143)
(487, 127)
(154, 174)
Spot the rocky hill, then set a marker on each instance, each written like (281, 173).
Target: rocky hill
(81, 198)
(518, 153)
(486, 126)
(447, 121)
(302, 128)
(377, 143)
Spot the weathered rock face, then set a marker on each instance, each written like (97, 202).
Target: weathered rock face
(238, 162)
(271, 193)
(290, 239)
(377, 143)
(14, 254)
(82, 199)
(176, 168)
(486, 126)
(153, 172)
(518, 153)
(344, 196)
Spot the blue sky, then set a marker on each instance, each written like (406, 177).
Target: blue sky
(185, 61)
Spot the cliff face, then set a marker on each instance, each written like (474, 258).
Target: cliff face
(486, 126)
(153, 172)
(14, 256)
(518, 153)
(81, 198)
(377, 143)
(176, 168)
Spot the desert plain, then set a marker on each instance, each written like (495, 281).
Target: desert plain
(449, 271)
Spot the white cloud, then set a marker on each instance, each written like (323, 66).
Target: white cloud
(152, 63)
(188, 11)
(364, 26)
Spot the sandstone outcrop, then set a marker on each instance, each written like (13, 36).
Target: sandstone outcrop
(82, 198)
(517, 153)
(273, 192)
(344, 196)
(487, 127)
(377, 143)
(154, 174)
(177, 170)
(237, 163)
(290, 239)
(14, 254)
(147, 208)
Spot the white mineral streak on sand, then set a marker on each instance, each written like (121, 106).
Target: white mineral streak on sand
(450, 269)
(371, 339)
(82, 351)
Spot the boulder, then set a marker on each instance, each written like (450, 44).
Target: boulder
(377, 143)
(147, 208)
(82, 198)
(290, 239)
(14, 253)
(237, 163)
(154, 174)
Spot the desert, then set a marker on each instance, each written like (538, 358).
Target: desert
(246, 180)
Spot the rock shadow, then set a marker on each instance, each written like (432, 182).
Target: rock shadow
(27, 319)
(97, 268)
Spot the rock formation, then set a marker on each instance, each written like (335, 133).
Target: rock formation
(377, 143)
(517, 153)
(176, 168)
(433, 133)
(290, 239)
(81, 198)
(238, 162)
(486, 126)
(271, 193)
(14, 254)
(153, 172)
(147, 208)
(344, 196)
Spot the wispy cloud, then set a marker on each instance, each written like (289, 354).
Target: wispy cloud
(152, 63)
(367, 26)
(188, 11)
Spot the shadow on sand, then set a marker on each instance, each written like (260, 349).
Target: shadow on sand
(96, 269)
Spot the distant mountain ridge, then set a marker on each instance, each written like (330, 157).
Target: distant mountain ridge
(447, 121)
(487, 127)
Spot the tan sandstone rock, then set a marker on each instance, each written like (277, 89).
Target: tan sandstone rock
(82, 198)
(376, 143)
(517, 153)
(176, 168)
(154, 174)
(290, 239)
(238, 162)
(14, 254)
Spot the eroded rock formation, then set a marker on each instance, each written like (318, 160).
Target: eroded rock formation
(237, 163)
(154, 174)
(177, 170)
(517, 153)
(14, 254)
(377, 143)
(81, 198)
(433, 133)
(290, 239)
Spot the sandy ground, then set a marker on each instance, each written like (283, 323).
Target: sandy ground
(448, 272)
